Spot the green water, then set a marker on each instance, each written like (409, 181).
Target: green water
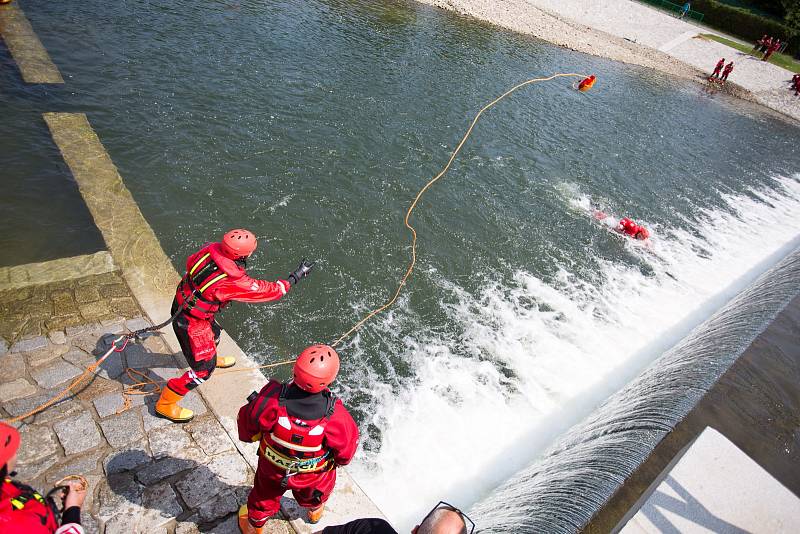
(315, 123)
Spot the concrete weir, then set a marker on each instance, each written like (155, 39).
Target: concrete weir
(152, 280)
(33, 60)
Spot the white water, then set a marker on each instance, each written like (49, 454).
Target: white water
(461, 426)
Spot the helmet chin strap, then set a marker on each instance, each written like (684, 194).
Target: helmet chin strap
(241, 262)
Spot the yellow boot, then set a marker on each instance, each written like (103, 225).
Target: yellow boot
(167, 406)
(223, 362)
(315, 514)
(244, 523)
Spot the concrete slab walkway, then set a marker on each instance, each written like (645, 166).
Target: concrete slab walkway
(715, 487)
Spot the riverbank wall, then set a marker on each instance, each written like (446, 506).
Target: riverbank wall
(54, 315)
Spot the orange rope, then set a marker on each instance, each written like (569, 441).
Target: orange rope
(411, 265)
(139, 388)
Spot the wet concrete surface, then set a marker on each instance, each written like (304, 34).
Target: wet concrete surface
(756, 405)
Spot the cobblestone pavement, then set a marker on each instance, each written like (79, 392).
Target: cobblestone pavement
(146, 473)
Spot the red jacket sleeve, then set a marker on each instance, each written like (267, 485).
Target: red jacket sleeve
(246, 289)
(341, 435)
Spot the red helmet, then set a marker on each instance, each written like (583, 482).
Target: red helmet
(239, 243)
(9, 443)
(315, 368)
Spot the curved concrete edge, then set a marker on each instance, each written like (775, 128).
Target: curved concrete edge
(45, 272)
(152, 279)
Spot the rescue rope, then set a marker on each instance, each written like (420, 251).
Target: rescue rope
(422, 191)
(140, 386)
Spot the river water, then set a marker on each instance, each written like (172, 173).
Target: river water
(315, 123)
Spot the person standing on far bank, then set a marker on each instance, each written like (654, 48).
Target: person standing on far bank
(215, 276)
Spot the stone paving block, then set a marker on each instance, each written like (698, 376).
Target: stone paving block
(194, 402)
(60, 409)
(111, 403)
(41, 357)
(209, 435)
(88, 342)
(76, 330)
(230, 468)
(194, 454)
(169, 440)
(90, 524)
(161, 469)
(189, 526)
(36, 444)
(124, 306)
(162, 506)
(114, 290)
(119, 495)
(94, 310)
(82, 465)
(13, 366)
(63, 321)
(126, 460)
(137, 357)
(3, 346)
(137, 324)
(78, 434)
(225, 503)
(229, 526)
(26, 345)
(114, 325)
(123, 429)
(84, 294)
(200, 485)
(54, 374)
(150, 419)
(57, 337)
(16, 389)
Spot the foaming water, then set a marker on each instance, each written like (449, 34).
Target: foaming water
(531, 358)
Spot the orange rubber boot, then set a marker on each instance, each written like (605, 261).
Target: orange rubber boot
(244, 523)
(167, 406)
(223, 362)
(315, 514)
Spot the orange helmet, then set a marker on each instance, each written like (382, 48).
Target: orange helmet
(239, 243)
(9, 443)
(316, 368)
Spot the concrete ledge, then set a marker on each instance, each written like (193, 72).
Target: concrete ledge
(152, 279)
(715, 487)
(32, 274)
(29, 54)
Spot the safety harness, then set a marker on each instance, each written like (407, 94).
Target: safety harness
(201, 276)
(292, 457)
(29, 499)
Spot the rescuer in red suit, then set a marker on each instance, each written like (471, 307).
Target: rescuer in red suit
(628, 227)
(305, 432)
(25, 511)
(215, 276)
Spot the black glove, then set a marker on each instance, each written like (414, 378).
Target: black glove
(301, 272)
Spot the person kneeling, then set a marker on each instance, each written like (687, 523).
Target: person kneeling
(305, 432)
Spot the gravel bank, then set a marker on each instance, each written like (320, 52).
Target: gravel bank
(633, 33)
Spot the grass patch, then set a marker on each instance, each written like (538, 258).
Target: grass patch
(782, 60)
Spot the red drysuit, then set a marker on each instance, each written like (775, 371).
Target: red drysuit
(212, 280)
(632, 229)
(24, 511)
(281, 416)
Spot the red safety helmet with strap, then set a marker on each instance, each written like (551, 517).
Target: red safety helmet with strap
(315, 368)
(239, 243)
(9, 443)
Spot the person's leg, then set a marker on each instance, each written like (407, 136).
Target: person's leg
(196, 338)
(311, 491)
(264, 500)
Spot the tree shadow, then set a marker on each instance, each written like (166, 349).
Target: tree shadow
(687, 507)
